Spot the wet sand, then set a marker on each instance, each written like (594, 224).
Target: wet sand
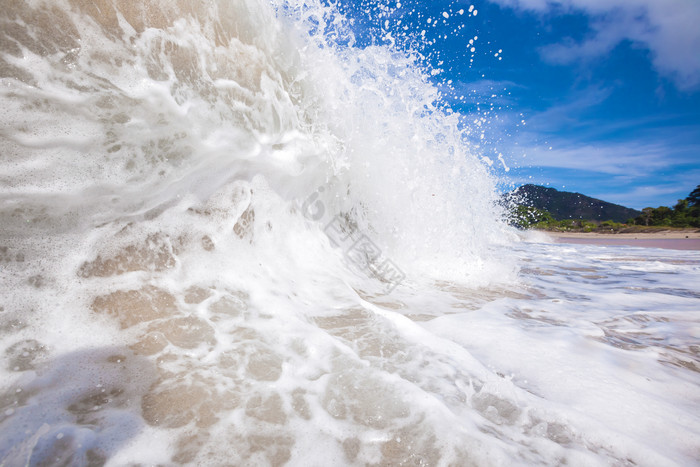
(674, 240)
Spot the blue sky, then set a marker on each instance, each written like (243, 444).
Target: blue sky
(600, 97)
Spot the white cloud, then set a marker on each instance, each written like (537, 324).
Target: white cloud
(633, 160)
(568, 114)
(643, 196)
(653, 169)
(493, 92)
(670, 29)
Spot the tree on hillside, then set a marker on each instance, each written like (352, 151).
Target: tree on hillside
(661, 216)
(694, 197)
(680, 213)
(645, 217)
(686, 213)
(693, 212)
(681, 205)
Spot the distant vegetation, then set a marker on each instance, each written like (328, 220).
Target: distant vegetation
(686, 213)
(531, 203)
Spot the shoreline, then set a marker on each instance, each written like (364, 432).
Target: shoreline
(669, 239)
(661, 235)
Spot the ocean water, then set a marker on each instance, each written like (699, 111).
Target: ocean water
(228, 236)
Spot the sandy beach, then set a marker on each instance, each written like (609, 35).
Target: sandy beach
(685, 239)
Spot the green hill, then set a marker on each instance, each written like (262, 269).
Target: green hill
(563, 205)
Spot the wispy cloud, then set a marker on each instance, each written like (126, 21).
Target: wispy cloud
(482, 91)
(612, 159)
(558, 147)
(486, 86)
(568, 113)
(643, 196)
(632, 174)
(668, 29)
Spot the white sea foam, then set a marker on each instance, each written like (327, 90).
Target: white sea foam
(230, 237)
